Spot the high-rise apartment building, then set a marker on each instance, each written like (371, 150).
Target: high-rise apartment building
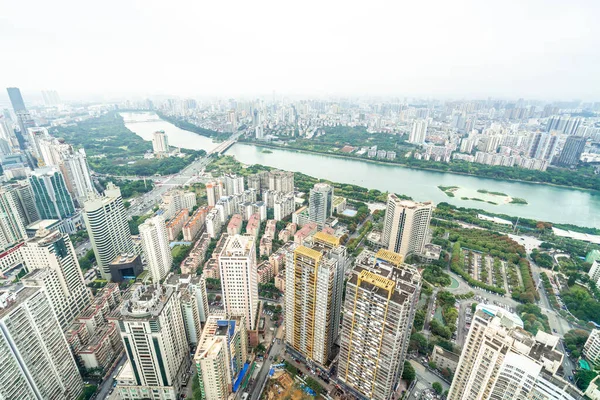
(106, 222)
(153, 334)
(381, 298)
(233, 184)
(281, 181)
(418, 132)
(52, 263)
(25, 201)
(75, 168)
(214, 191)
(155, 243)
(501, 360)
(23, 117)
(160, 143)
(543, 145)
(320, 205)
(571, 152)
(405, 226)
(221, 356)
(591, 348)
(239, 279)
(34, 355)
(192, 297)
(314, 281)
(12, 225)
(52, 198)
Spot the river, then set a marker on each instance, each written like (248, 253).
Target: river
(546, 203)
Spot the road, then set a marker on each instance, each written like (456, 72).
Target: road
(186, 176)
(256, 389)
(107, 385)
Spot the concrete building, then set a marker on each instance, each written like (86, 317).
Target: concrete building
(314, 285)
(591, 348)
(594, 272)
(543, 145)
(444, 359)
(283, 206)
(52, 198)
(125, 266)
(52, 264)
(502, 360)
(189, 306)
(418, 132)
(176, 200)
(233, 184)
(239, 281)
(195, 224)
(320, 205)
(405, 226)
(153, 335)
(155, 243)
(34, 355)
(214, 191)
(571, 152)
(213, 223)
(106, 222)
(381, 298)
(175, 225)
(76, 171)
(281, 181)
(25, 201)
(94, 339)
(160, 143)
(235, 225)
(12, 225)
(221, 357)
(253, 226)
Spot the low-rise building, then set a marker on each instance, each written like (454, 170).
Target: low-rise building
(253, 226)
(175, 225)
(235, 225)
(95, 340)
(264, 272)
(305, 232)
(125, 267)
(444, 359)
(195, 224)
(280, 282)
(197, 256)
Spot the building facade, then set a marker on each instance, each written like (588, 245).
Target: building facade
(320, 205)
(239, 280)
(155, 243)
(52, 263)
(106, 222)
(52, 197)
(34, 355)
(406, 225)
(314, 285)
(381, 298)
(153, 334)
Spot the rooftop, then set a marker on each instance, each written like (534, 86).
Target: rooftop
(147, 301)
(9, 300)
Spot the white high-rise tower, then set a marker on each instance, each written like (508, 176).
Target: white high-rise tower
(155, 243)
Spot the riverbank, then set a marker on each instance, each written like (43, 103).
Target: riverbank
(413, 167)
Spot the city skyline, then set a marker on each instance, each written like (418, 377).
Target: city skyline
(430, 50)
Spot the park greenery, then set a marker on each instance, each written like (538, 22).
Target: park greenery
(544, 260)
(581, 304)
(136, 221)
(179, 253)
(574, 341)
(129, 188)
(268, 290)
(435, 275)
(113, 149)
(533, 318)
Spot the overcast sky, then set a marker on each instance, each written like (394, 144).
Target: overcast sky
(462, 49)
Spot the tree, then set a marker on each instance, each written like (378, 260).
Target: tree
(583, 378)
(432, 365)
(408, 374)
(419, 319)
(437, 387)
(418, 342)
(314, 385)
(196, 391)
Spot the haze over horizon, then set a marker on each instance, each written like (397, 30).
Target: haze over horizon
(536, 49)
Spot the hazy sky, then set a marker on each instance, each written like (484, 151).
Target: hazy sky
(533, 49)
